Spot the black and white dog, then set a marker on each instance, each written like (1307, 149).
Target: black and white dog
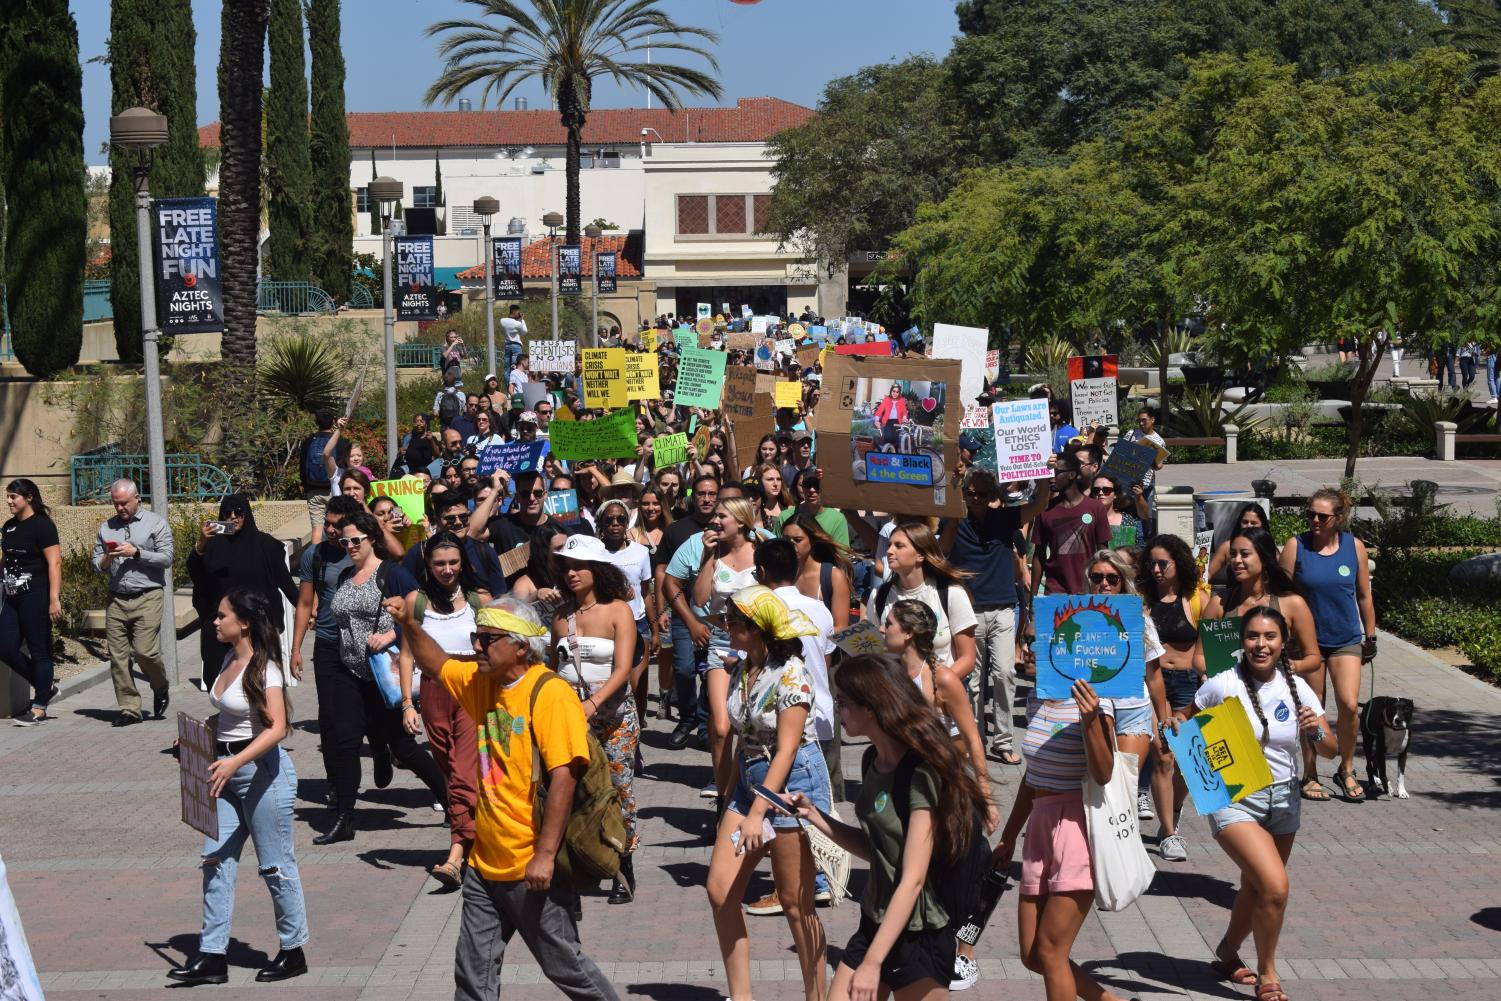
(1386, 729)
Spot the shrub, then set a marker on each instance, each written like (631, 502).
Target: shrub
(306, 372)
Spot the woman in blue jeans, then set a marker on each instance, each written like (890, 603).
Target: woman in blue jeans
(253, 781)
(32, 584)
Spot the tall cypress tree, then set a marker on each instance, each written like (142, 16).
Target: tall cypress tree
(41, 127)
(151, 65)
(332, 235)
(376, 229)
(288, 166)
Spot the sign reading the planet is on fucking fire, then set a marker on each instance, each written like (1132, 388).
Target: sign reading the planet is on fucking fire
(1089, 637)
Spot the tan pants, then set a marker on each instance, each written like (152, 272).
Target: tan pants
(134, 626)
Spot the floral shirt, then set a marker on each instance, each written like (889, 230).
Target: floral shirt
(753, 705)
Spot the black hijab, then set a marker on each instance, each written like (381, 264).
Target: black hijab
(249, 558)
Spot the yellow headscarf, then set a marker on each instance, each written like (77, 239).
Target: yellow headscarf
(499, 618)
(771, 615)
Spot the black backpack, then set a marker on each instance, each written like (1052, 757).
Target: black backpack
(449, 408)
(958, 883)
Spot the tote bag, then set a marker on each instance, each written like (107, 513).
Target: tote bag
(1118, 859)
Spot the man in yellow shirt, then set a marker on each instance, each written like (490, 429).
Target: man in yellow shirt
(508, 887)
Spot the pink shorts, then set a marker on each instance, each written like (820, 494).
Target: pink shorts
(1055, 855)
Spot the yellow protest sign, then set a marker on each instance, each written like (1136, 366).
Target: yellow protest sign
(649, 340)
(789, 394)
(642, 376)
(604, 377)
(407, 492)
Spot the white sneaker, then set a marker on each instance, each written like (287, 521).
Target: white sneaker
(708, 792)
(1144, 809)
(966, 972)
(1172, 849)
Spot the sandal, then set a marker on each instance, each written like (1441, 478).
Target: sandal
(1010, 758)
(1270, 991)
(448, 873)
(1346, 779)
(1314, 789)
(1234, 971)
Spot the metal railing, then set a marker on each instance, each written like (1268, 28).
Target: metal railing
(188, 476)
(418, 355)
(292, 298)
(360, 297)
(97, 304)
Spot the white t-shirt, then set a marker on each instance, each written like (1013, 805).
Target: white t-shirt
(816, 651)
(513, 329)
(1151, 650)
(517, 380)
(237, 721)
(960, 616)
(634, 561)
(1281, 746)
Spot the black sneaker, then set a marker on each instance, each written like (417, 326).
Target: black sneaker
(159, 704)
(31, 719)
(127, 719)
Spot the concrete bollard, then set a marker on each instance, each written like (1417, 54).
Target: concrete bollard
(1175, 512)
(1444, 432)
(1232, 443)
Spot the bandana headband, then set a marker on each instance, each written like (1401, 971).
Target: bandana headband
(499, 618)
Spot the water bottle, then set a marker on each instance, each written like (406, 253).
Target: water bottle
(995, 884)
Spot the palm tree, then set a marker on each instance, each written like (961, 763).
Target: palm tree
(242, 61)
(1474, 28)
(567, 44)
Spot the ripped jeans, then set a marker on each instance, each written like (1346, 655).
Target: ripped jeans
(257, 800)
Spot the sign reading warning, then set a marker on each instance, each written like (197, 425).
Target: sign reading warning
(416, 298)
(189, 294)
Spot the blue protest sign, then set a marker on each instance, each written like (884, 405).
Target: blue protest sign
(891, 467)
(818, 335)
(1090, 637)
(514, 457)
(562, 505)
(1128, 462)
(1221, 760)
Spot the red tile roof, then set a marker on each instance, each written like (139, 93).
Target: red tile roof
(536, 264)
(752, 119)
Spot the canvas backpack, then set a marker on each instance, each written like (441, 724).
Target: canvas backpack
(449, 407)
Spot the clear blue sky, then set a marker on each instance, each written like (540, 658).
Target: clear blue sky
(777, 48)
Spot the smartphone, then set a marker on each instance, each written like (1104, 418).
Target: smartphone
(221, 527)
(778, 802)
(111, 545)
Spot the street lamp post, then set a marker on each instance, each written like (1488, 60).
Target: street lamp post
(593, 233)
(552, 221)
(387, 191)
(142, 130)
(485, 207)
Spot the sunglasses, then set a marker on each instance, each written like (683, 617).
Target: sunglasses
(1160, 564)
(1105, 578)
(537, 493)
(1101, 491)
(352, 541)
(483, 640)
(1319, 515)
(614, 519)
(455, 519)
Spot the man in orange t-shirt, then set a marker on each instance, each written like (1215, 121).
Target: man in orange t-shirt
(508, 886)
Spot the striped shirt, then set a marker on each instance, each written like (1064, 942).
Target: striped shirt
(1054, 744)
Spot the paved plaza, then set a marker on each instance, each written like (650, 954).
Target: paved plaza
(1393, 900)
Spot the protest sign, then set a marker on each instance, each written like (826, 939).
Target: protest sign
(604, 272)
(704, 328)
(1092, 388)
(196, 751)
(766, 355)
(1219, 756)
(796, 331)
(642, 376)
(512, 561)
(1203, 547)
(1023, 439)
(705, 310)
(408, 493)
(808, 357)
(609, 437)
(993, 365)
(416, 294)
(968, 346)
(1123, 536)
(741, 340)
(604, 377)
(766, 384)
(533, 393)
(881, 349)
(700, 378)
(739, 391)
(862, 637)
(884, 407)
(789, 394)
(562, 505)
(701, 440)
(554, 356)
(1089, 637)
(512, 456)
(570, 269)
(817, 334)
(684, 337)
(507, 251)
(189, 293)
(786, 348)
(1128, 462)
(1221, 641)
(974, 417)
(758, 325)
(649, 340)
(669, 449)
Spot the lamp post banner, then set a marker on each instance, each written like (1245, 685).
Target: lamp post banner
(604, 265)
(570, 269)
(189, 293)
(416, 298)
(507, 267)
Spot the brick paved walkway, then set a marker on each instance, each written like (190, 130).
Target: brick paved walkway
(1390, 899)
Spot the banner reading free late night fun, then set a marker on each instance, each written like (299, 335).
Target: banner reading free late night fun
(570, 269)
(416, 298)
(604, 264)
(507, 267)
(189, 295)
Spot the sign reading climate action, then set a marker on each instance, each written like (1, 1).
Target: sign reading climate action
(570, 269)
(416, 298)
(189, 296)
(507, 251)
(604, 272)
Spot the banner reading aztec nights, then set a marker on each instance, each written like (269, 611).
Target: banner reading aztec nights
(570, 269)
(416, 297)
(189, 294)
(604, 271)
(507, 251)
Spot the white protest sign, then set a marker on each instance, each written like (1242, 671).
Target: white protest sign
(1023, 439)
(1094, 401)
(968, 346)
(860, 637)
(974, 417)
(553, 356)
(758, 325)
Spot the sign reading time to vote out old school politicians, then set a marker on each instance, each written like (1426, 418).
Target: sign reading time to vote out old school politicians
(507, 250)
(189, 293)
(610, 437)
(1096, 638)
(1091, 386)
(604, 377)
(1221, 760)
(1023, 439)
(416, 295)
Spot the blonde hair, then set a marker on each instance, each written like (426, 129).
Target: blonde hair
(744, 512)
(1110, 556)
(1338, 499)
(926, 543)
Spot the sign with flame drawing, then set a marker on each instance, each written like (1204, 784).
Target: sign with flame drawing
(1090, 637)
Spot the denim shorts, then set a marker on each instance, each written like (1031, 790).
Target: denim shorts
(1181, 685)
(1278, 808)
(1135, 722)
(809, 776)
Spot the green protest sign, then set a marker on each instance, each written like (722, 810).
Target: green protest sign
(1123, 535)
(669, 449)
(1221, 640)
(700, 378)
(685, 337)
(407, 492)
(612, 437)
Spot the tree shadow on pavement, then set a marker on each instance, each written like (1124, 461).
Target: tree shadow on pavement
(1466, 741)
(1178, 884)
(1488, 918)
(687, 873)
(1178, 974)
(695, 821)
(674, 992)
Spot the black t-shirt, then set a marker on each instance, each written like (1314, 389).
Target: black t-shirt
(984, 548)
(23, 542)
(507, 533)
(676, 534)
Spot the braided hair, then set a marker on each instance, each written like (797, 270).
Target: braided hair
(1244, 673)
(918, 621)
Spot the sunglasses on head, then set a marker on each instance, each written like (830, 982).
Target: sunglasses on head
(1105, 578)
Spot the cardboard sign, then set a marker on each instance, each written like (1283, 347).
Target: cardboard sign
(1221, 641)
(562, 505)
(1123, 536)
(974, 417)
(700, 378)
(851, 425)
(739, 392)
(189, 293)
(407, 492)
(554, 356)
(1128, 462)
(1092, 388)
(862, 637)
(1023, 439)
(913, 470)
(740, 340)
(1096, 638)
(196, 751)
(766, 355)
(968, 346)
(604, 378)
(765, 384)
(610, 437)
(513, 456)
(808, 357)
(669, 450)
(642, 376)
(513, 561)
(1220, 758)
(789, 394)
(748, 432)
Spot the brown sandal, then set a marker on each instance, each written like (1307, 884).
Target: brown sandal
(1234, 971)
(448, 873)
(1314, 789)
(1270, 991)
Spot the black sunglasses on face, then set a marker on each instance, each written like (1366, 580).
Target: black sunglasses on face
(483, 640)
(454, 519)
(1101, 491)
(614, 519)
(1105, 578)
(1160, 564)
(1319, 515)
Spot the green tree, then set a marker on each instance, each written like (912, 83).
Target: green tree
(567, 44)
(150, 65)
(242, 60)
(438, 180)
(331, 233)
(41, 129)
(288, 163)
(1474, 28)
(375, 225)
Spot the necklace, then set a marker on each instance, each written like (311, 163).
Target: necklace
(584, 608)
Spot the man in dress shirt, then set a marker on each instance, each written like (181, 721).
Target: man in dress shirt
(134, 551)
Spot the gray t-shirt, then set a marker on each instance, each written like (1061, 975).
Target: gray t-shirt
(325, 627)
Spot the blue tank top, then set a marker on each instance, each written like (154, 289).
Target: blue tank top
(1330, 582)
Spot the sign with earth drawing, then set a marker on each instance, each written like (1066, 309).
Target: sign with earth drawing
(1089, 637)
